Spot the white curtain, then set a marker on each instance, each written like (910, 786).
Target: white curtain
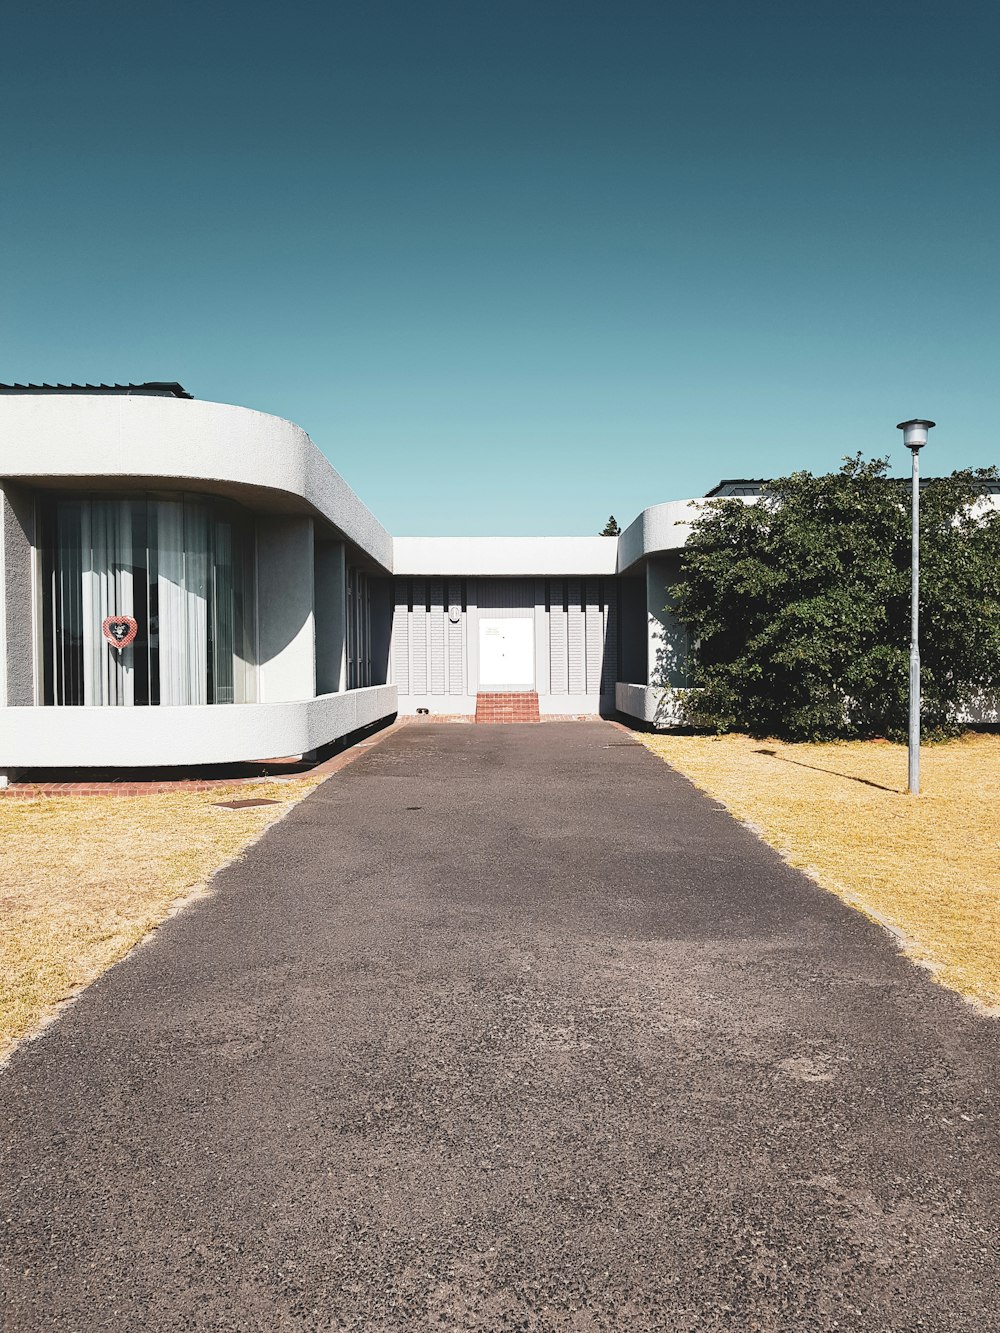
(183, 568)
(182, 564)
(106, 539)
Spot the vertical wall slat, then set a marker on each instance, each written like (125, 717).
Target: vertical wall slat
(472, 635)
(456, 674)
(576, 640)
(401, 639)
(609, 674)
(558, 646)
(418, 638)
(436, 638)
(594, 636)
(541, 638)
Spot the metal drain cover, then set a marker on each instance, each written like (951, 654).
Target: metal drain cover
(243, 805)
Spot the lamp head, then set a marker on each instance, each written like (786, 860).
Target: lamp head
(915, 433)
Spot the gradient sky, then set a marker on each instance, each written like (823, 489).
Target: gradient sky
(516, 265)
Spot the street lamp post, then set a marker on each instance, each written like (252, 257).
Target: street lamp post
(915, 437)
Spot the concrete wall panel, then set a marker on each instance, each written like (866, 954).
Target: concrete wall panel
(576, 638)
(17, 658)
(558, 643)
(182, 735)
(594, 635)
(647, 703)
(285, 620)
(455, 630)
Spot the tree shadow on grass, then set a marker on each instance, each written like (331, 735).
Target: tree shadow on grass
(817, 768)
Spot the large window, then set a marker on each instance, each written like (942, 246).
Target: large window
(181, 567)
(359, 629)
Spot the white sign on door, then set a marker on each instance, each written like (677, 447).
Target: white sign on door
(507, 654)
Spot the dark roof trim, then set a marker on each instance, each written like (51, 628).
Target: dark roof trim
(166, 388)
(738, 486)
(754, 486)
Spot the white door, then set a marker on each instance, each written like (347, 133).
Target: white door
(507, 654)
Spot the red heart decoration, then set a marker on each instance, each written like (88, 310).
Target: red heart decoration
(120, 630)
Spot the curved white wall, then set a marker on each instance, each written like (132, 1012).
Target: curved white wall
(171, 736)
(50, 436)
(651, 704)
(663, 527)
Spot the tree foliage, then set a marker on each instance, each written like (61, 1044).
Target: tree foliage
(611, 528)
(798, 606)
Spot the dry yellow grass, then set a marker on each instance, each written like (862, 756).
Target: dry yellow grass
(927, 866)
(82, 879)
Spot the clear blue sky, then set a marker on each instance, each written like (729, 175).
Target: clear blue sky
(517, 264)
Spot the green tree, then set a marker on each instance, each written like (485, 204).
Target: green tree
(611, 528)
(798, 610)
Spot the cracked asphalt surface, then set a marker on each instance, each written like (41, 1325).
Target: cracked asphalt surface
(506, 1028)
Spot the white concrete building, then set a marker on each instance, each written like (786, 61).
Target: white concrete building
(191, 583)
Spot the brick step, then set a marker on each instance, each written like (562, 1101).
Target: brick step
(520, 706)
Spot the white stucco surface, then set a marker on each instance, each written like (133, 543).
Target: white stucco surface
(286, 622)
(651, 704)
(174, 441)
(663, 527)
(184, 735)
(505, 557)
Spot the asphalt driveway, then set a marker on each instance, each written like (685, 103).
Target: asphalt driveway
(506, 1028)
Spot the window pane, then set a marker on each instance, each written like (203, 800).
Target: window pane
(181, 567)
